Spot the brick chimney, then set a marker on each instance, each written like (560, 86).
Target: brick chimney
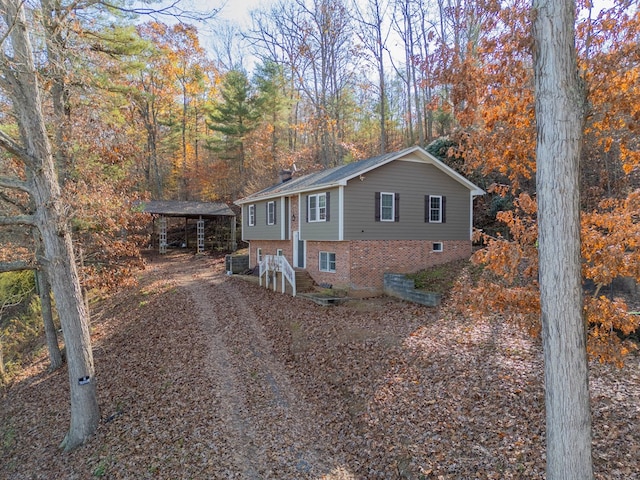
(285, 175)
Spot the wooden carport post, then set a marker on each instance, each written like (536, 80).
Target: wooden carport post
(233, 245)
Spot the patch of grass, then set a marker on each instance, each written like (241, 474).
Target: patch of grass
(101, 468)
(22, 338)
(441, 278)
(8, 437)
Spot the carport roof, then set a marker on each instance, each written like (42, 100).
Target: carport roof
(175, 208)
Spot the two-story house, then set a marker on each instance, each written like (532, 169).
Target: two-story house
(399, 212)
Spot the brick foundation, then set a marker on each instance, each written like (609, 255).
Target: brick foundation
(361, 264)
(269, 247)
(371, 259)
(339, 278)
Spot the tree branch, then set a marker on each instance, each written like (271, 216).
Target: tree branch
(18, 220)
(12, 201)
(17, 266)
(11, 146)
(8, 182)
(171, 10)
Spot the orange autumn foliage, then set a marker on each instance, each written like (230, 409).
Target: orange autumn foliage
(497, 137)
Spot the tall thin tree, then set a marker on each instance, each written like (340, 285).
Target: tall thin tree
(19, 82)
(560, 109)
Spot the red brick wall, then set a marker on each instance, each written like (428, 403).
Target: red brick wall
(371, 259)
(270, 247)
(295, 215)
(360, 264)
(339, 278)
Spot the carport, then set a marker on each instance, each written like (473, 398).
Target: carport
(199, 211)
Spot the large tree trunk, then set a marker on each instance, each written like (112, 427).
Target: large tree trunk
(559, 115)
(51, 221)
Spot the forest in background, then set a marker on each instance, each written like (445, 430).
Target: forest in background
(138, 108)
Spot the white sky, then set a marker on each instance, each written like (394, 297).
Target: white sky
(237, 11)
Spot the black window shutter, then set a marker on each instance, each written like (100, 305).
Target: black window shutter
(444, 209)
(377, 207)
(327, 205)
(397, 208)
(427, 209)
(275, 211)
(266, 217)
(306, 199)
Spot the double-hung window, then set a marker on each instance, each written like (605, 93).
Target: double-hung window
(252, 215)
(435, 209)
(387, 207)
(327, 262)
(271, 213)
(317, 207)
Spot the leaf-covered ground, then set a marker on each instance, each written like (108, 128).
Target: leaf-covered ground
(206, 376)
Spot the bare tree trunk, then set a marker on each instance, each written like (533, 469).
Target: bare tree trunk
(559, 115)
(371, 35)
(44, 291)
(184, 180)
(2, 371)
(20, 80)
(59, 90)
(428, 113)
(411, 70)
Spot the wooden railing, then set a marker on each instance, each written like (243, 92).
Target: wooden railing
(271, 265)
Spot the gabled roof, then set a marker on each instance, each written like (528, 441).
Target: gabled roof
(174, 208)
(340, 175)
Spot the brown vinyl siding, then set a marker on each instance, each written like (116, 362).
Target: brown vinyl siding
(327, 230)
(412, 181)
(262, 231)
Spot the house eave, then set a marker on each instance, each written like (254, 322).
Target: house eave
(289, 193)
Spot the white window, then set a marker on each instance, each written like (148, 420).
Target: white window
(259, 254)
(327, 262)
(252, 215)
(279, 252)
(438, 247)
(318, 207)
(435, 209)
(271, 213)
(387, 207)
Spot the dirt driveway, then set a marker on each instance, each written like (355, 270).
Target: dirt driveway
(270, 429)
(205, 376)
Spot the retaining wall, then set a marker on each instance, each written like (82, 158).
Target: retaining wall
(398, 285)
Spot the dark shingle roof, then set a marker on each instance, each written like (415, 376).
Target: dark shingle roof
(174, 208)
(323, 178)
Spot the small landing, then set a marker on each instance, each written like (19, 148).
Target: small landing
(324, 300)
